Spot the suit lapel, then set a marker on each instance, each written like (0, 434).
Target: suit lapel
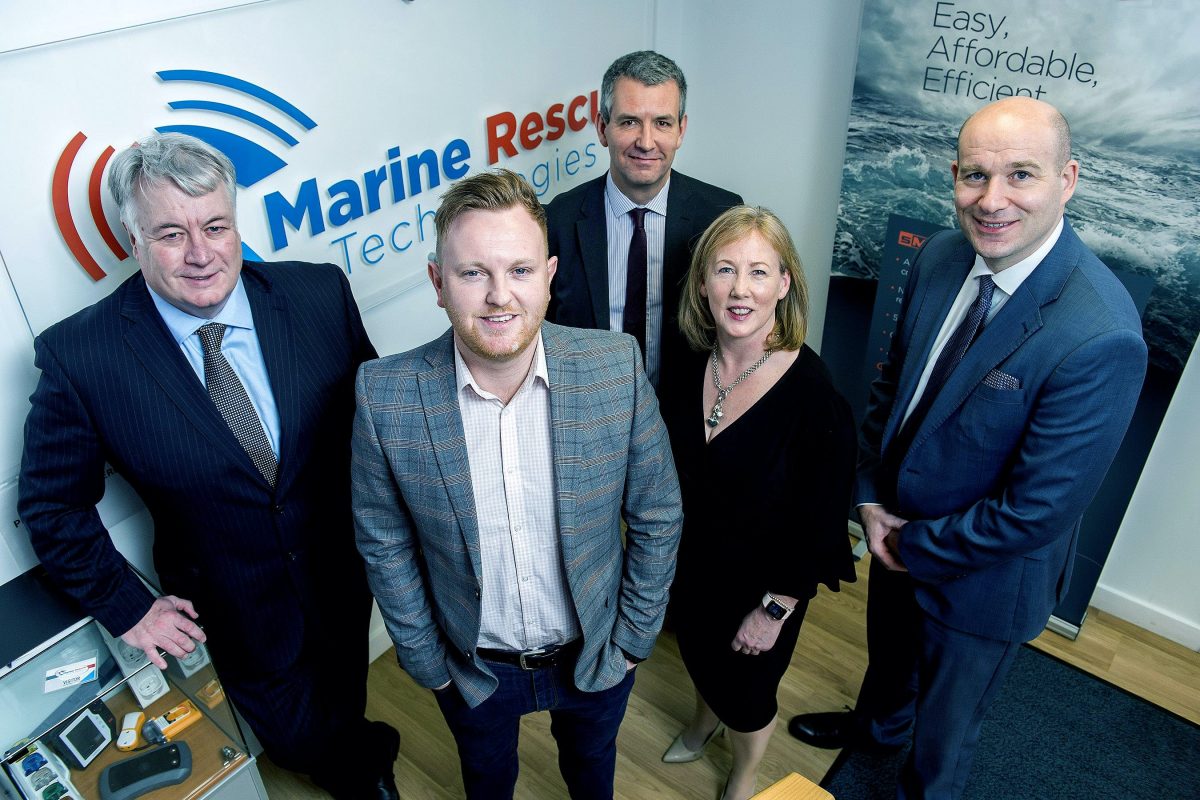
(439, 400)
(565, 442)
(678, 234)
(273, 326)
(154, 346)
(1020, 318)
(592, 230)
(931, 311)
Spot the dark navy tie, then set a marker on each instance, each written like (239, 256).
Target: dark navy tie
(962, 338)
(633, 321)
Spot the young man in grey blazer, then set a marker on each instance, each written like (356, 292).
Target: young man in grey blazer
(492, 468)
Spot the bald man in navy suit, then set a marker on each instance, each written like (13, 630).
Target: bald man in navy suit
(1008, 388)
(253, 535)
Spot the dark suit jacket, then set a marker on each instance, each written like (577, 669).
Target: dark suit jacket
(415, 509)
(997, 479)
(116, 388)
(579, 237)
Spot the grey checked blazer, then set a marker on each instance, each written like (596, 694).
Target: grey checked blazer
(415, 518)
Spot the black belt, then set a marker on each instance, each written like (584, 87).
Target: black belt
(533, 659)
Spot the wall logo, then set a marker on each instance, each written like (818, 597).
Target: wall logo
(252, 161)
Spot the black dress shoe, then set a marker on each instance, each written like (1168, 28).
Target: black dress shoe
(831, 730)
(384, 789)
(387, 745)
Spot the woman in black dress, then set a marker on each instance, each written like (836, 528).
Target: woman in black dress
(765, 449)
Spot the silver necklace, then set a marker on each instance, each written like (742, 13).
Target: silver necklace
(714, 419)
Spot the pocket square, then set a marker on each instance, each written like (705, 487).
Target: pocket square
(1001, 380)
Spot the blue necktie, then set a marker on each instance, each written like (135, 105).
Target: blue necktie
(966, 333)
(962, 338)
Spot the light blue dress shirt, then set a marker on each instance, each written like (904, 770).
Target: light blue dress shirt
(240, 348)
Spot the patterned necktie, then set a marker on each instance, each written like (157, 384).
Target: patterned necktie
(633, 321)
(229, 396)
(962, 338)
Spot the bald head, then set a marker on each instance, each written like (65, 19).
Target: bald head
(1027, 114)
(1012, 179)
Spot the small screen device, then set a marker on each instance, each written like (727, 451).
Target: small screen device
(154, 769)
(85, 736)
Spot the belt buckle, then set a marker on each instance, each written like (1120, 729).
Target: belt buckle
(538, 653)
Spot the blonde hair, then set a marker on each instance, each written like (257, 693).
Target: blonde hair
(791, 314)
(498, 190)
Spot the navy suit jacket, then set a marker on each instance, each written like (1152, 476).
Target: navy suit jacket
(996, 479)
(579, 237)
(414, 508)
(116, 388)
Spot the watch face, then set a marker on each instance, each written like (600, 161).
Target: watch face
(775, 611)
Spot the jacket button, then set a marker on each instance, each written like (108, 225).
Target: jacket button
(276, 510)
(291, 556)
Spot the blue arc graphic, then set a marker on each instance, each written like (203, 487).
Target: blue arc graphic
(239, 85)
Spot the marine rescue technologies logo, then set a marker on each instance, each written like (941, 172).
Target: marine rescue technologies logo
(334, 214)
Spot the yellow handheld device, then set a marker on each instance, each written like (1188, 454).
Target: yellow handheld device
(177, 719)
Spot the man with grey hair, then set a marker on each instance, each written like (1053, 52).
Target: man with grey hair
(623, 240)
(222, 391)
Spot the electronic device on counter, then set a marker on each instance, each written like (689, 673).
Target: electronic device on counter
(174, 721)
(145, 772)
(131, 731)
(84, 736)
(41, 774)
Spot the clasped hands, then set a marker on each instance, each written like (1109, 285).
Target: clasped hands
(882, 529)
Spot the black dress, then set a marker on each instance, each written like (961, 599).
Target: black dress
(765, 506)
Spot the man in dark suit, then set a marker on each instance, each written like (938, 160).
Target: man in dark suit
(623, 240)
(492, 470)
(223, 392)
(1010, 382)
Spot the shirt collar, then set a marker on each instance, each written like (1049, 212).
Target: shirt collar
(1008, 280)
(235, 313)
(463, 377)
(620, 204)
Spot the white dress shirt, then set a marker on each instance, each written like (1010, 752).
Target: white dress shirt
(620, 233)
(525, 600)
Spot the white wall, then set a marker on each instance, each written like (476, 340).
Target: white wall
(769, 88)
(1149, 578)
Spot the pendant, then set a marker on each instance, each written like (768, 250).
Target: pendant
(714, 419)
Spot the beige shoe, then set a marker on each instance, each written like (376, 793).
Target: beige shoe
(678, 752)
